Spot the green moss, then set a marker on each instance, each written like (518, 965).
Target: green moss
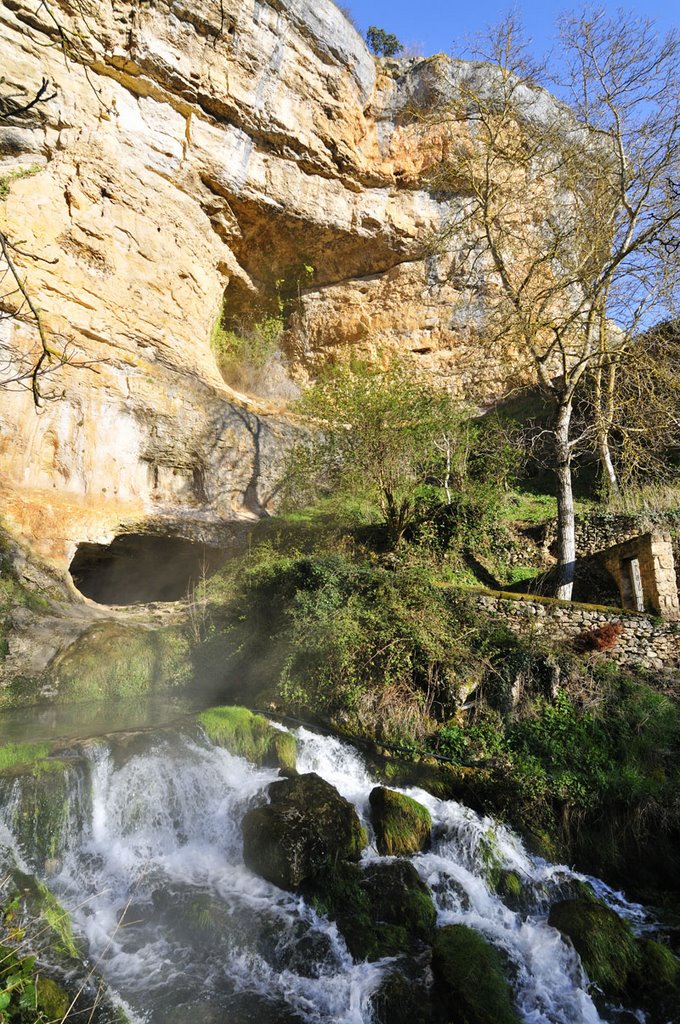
(602, 939)
(657, 973)
(381, 910)
(40, 812)
(509, 888)
(113, 661)
(52, 999)
(59, 921)
(469, 974)
(248, 735)
(402, 825)
(14, 755)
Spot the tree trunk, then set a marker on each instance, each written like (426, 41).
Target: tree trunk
(604, 414)
(566, 526)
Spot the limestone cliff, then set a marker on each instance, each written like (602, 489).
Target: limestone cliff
(194, 152)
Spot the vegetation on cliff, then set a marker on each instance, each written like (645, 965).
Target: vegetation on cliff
(576, 752)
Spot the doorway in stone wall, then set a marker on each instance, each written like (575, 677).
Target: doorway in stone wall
(631, 585)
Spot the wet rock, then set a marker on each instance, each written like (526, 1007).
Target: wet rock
(470, 979)
(306, 828)
(602, 939)
(402, 825)
(38, 794)
(251, 736)
(381, 910)
(404, 995)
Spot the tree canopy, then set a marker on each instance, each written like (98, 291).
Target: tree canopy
(382, 43)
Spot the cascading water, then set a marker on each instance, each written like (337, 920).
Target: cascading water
(151, 869)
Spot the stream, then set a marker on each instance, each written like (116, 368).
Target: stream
(149, 863)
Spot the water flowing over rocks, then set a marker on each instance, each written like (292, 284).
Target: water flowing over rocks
(306, 827)
(149, 867)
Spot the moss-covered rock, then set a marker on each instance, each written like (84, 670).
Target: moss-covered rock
(381, 910)
(52, 999)
(248, 735)
(113, 661)
(510, 889)
(656, 975)
(404, 995)
(469, 976)
(602, 939)
(402, 825)
(38, 796)
(15, 755)
(306, 827)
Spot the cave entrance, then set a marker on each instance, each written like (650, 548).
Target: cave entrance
(143, 568)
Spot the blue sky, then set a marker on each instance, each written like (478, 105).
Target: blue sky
(443, 25)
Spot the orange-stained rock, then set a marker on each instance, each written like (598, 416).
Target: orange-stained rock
(197, 151)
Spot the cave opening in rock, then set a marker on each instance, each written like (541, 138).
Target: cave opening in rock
(142, 568)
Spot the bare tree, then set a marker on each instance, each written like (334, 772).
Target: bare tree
(566, 209)
(641, 400)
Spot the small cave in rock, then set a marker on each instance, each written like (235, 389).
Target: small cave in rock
(143, 568)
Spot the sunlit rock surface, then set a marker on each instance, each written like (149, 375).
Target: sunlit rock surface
(194, 152)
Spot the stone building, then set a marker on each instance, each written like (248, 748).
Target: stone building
(644, 570)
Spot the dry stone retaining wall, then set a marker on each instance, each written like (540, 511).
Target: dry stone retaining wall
(643, 641)
(602, 530)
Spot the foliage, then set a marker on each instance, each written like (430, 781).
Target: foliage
(244, 353)
(378, 432)
(377, 651)
(382, 43)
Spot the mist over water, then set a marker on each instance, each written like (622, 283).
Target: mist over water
(151, 868)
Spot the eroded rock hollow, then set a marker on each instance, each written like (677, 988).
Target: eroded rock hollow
(195, 156)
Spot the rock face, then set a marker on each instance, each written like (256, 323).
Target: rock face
(305, 829)
(194, 154)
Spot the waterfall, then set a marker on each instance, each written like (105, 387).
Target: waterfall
(151, 869)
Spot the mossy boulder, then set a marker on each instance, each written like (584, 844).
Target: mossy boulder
(655, 981)
(510, 889)
(251, 736)
(602, 939)
(115, 661)
(381, 910)
(469, 976)
(402, 825)
(404, 995)
(52, 999)
(38, 797)
(306, 827)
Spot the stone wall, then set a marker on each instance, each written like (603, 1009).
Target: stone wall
(643, 641)
(644, 570)
(599, 530)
